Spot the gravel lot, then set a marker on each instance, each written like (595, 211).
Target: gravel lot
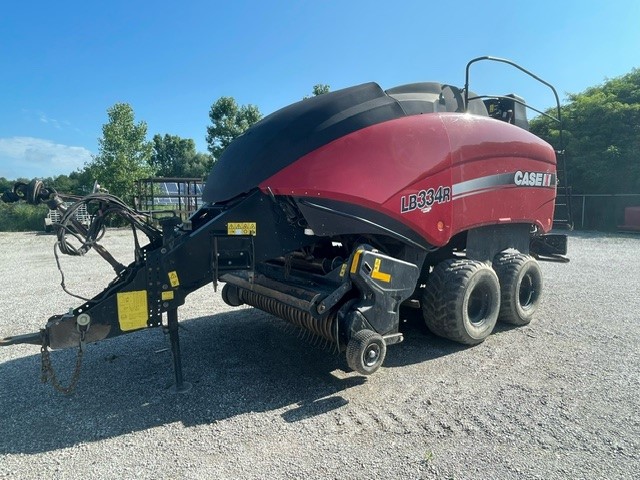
(555, 399)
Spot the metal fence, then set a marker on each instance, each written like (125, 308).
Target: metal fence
(162, 196)
(601, 211)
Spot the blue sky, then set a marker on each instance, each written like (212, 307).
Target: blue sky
(65, 63)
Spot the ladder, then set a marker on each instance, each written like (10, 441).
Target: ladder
(562, 218)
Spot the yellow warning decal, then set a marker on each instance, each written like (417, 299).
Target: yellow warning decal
(377, 274)
(173, 279)
(356, 258)
(241, 228)
(133, 310)
(343, 269)
(167, 295)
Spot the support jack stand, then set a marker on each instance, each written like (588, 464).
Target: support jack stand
(180, 386)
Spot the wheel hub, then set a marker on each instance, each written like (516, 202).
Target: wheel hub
(371, 355)
(527, 293)
(478, 305)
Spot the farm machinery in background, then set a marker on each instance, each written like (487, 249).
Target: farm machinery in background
(333, 214)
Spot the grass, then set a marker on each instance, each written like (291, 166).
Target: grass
(20, 217)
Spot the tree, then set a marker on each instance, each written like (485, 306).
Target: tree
(173, 156)
(602, 136)
(123, 153)
(83, 180)
(64, 184)
(318, 89)
(198, 166)
(228, 121)
(5, 184)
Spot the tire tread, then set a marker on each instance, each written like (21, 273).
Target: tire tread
(508, 266)
(441, 297)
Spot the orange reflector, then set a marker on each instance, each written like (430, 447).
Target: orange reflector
(440, 226)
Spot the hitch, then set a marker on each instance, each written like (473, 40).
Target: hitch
(134, 300)
(30, 338)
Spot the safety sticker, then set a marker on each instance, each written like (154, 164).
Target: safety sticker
(354, 264)
(343, 269)
(173, 279)
(241, 228)
(168, 295)
(377, 274)
(133, 310)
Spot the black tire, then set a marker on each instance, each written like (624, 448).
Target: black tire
(461, 301)
(520, 285)
(366, 351)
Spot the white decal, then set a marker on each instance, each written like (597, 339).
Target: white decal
(533, 179)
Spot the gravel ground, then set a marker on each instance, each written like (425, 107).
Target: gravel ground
(555, 399)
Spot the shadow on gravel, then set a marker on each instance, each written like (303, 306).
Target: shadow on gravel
(238, 362)
(419, 344)
(593, 234)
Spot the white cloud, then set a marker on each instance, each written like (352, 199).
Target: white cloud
(50, 121)
(30, 157)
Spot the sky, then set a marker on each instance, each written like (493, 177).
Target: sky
(64, 63)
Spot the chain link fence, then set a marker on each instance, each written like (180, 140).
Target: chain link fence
(604, 212)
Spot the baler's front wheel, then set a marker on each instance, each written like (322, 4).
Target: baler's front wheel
(462, 300)
(521, 286)
(231, 295)
(366, 351)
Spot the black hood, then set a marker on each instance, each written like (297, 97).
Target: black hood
(290, 133)
(283, 137)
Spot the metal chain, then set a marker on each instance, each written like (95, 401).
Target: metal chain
(48, 374)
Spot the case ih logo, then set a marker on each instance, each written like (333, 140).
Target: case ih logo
(534, 179)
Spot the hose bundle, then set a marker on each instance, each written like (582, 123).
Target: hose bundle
(101, 206)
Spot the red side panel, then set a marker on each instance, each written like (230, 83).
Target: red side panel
(500, 174)
(437, 173)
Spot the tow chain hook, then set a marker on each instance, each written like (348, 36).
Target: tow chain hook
(48, 374)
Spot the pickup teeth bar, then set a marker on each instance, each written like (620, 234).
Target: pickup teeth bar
(324, 328)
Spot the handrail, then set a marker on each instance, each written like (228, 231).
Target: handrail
(522, 69)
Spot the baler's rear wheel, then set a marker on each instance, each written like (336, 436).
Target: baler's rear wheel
(521, 286)
(462, 300)
(366, 351)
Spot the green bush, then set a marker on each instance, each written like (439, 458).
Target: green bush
(20, 217)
